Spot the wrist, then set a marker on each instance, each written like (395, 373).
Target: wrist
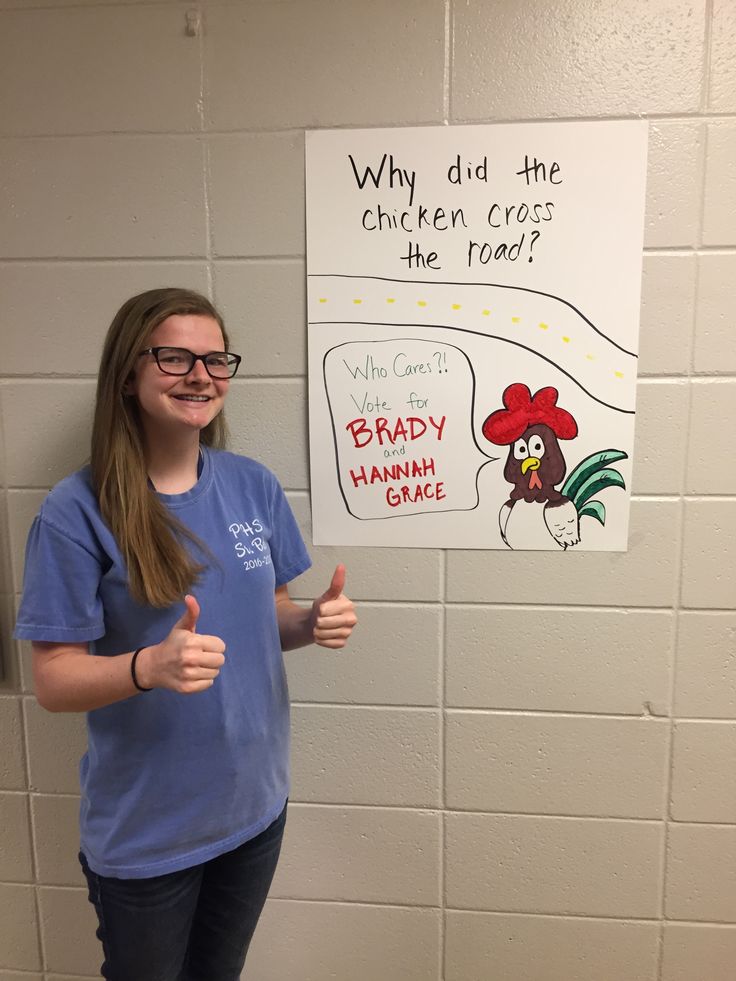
(139, 669)
(297, 626)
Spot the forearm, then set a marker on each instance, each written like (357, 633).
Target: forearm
(328, 622)
(296, 627)
(68, 679)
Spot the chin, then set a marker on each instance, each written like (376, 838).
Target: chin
(180, 426)
(200, 418)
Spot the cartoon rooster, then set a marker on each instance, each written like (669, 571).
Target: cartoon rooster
(531, 427)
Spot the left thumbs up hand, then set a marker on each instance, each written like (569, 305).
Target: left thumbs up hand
(333, 614)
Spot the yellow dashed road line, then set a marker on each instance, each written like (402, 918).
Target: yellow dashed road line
(485, 313)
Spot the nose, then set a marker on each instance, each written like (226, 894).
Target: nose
(198, 373)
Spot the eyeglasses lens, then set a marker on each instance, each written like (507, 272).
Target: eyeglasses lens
(179, 361)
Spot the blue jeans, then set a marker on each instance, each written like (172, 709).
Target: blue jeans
(192, 925)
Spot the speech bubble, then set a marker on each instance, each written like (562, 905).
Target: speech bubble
(402, 420)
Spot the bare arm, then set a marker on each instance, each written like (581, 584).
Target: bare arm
(70, 679)
(329, 622)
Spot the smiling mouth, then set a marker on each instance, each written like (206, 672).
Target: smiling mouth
(192, 398)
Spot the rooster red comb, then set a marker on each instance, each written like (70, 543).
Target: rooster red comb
(504, 426)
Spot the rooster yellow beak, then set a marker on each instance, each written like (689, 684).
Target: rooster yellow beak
(531, 463)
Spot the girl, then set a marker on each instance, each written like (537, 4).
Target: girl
(185, 779)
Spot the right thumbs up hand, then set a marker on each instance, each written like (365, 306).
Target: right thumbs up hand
(188, 619)
(185, 661)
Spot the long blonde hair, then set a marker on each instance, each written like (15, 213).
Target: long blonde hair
(161, 568)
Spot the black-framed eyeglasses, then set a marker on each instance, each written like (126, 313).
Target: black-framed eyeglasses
(180, 361)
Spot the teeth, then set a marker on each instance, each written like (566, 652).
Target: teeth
(193, 398)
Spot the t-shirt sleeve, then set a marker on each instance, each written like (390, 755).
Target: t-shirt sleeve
(288, 551)
(60, 602)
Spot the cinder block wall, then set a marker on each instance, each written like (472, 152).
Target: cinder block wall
(523, 770)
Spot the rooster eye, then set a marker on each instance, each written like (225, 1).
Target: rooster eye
(520, 452)
(536, 446)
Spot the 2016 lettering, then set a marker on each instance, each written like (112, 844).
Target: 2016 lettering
(257, 563)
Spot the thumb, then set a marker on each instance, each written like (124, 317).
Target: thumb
(337, 585)
(188, 620)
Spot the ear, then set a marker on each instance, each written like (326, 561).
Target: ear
(129, 386)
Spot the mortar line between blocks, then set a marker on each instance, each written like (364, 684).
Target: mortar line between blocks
(687, 250)
(722, 378)
(529, 913)
(291, 129)
(206, 167)
(428, 809)
(447, 76)
(278, 257)
(707, 52)
(41, 945)
(679, 567)
(526, 913)
(442, 844)
(153, 260)
(506, 711)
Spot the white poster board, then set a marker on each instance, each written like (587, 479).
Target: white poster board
(473, 308)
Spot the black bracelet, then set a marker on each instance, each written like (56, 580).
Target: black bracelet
(132, 671)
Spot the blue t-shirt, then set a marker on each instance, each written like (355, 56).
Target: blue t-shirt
(171, 780)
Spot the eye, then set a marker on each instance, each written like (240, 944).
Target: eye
(536, 446)
(172, 356)
(520, 451)
(218, 360)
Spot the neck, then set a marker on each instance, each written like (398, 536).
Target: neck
(172, 462)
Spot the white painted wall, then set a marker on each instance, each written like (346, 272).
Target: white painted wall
(522, 770)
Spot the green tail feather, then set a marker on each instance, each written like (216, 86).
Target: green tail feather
(587, 468)
(598, 482)
(594, 509)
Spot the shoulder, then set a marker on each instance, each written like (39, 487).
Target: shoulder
(71, 496)
(71, 508)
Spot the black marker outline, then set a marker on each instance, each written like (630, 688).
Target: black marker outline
(477, 333)
(391, 340)
(439, 282)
